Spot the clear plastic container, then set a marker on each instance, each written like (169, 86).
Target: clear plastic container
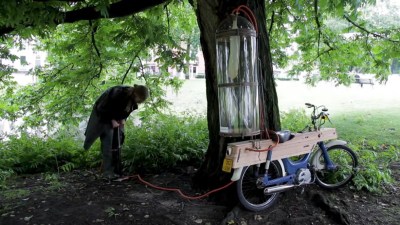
(237, 77)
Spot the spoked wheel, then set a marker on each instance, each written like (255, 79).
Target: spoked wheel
(251, 193)
(346, 163)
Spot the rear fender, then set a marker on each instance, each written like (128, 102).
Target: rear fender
(236, 174)
(335, 142)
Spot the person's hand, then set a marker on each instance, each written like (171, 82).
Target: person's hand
(114, 123)
(121, 122)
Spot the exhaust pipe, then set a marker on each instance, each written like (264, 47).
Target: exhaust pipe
(276, 189)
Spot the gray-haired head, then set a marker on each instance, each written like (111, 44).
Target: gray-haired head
(140, 93)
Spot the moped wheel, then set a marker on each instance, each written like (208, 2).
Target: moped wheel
(251, 192)
(345, 160)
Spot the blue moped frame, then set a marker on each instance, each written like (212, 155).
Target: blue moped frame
(291, 167)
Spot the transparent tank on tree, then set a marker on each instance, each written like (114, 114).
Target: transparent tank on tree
(237, 77)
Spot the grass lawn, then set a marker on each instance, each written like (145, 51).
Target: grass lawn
(368, 115)
(374, 135)
(376, 127)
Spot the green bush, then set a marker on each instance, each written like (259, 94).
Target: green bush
(164, 141)
(294, 120)
(28, 154)
(374, 166)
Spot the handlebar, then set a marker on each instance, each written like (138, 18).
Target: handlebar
(322, 116)
(309, 105)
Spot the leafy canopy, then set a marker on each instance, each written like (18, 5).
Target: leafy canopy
(88, 54)
(87, 57)
(332, 38)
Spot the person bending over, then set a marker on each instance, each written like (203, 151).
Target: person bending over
(108, 117)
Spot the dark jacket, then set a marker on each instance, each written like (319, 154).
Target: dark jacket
(115, 103)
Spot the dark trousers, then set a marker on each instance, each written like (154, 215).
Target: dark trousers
(111, 142)
(118, 141)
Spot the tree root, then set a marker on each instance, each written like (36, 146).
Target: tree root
(335, 213)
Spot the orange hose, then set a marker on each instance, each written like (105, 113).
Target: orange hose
(266, 149)
(248, 13)
(178, 190)
(253, 18)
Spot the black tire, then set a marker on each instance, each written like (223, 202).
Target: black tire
(347, 163)
(251, 195)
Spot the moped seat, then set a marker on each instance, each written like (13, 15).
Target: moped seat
(284, 135)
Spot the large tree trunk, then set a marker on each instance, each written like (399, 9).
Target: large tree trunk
(209, 15)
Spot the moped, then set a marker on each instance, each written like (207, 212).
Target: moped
(264, 168)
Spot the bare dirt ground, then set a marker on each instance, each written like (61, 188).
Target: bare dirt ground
(80, 197)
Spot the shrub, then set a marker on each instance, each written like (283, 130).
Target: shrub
(294, 120)
(28, 153)
(374, 166)
(164, 141)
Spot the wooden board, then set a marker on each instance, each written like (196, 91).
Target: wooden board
(239, 155)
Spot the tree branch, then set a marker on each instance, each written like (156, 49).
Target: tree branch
(167, 11)
(323, 53)
(272, 19)
(272, 22)
(318, 24)
(368, 47)
(127, 71)
(369, 32)
(131, 64)
(118, 9)
(92, 33)
(115, 10)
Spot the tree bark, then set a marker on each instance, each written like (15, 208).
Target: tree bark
(272, 119)
(209, 15)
